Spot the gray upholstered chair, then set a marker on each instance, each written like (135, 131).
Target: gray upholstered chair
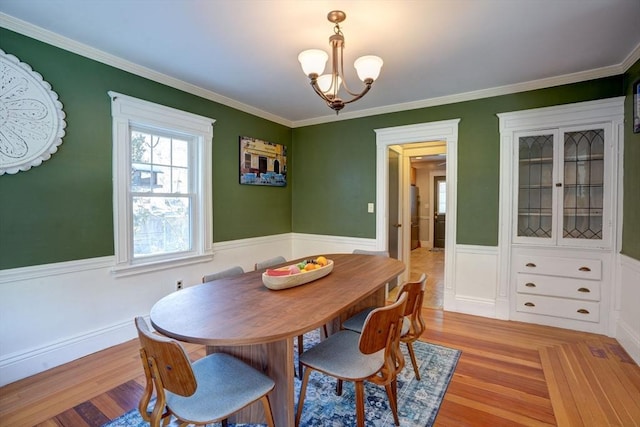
(413, 324)
(374, 356)
(366, 252)
(229, 272)
(207, 391)
(263, 265)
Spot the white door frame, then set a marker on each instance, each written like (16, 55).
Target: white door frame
(447, 131)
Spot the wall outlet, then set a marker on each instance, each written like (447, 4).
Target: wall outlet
(178, 285)
(370, 208)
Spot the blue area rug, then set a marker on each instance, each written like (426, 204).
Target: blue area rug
(418, 401)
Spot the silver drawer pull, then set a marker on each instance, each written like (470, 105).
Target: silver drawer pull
(530, 285)
(529, 304)
(584, 269)
(530, 264)
(583, 311)
(585, 290)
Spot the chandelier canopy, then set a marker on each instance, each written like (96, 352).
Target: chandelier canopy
(327, 86)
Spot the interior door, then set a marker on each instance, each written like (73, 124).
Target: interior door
(440, 211)
(394, 211)
(394, 197)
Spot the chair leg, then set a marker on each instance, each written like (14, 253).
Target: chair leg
(392, 394)
(360, 403)
(325, 330)
(413, 360)
(267, 410)
(225, 423)
(339, 388)
(303, 391)
(300, 351)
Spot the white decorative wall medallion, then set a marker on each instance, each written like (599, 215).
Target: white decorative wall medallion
(31, 117)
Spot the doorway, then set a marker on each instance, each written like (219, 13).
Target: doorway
(408, 139)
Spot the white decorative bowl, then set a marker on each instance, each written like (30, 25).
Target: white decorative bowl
(283, 282)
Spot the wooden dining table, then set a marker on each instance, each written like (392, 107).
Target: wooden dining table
(241, 316)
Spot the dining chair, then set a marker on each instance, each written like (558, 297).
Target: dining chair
(367, 252)
(373, 355)
(263, 265)
(413, 324)
(229, 272)
(205, 391)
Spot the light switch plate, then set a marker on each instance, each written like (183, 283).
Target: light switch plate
(370, 207)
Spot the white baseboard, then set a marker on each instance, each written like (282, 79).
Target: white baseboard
(629, 340)
(475, 306)
(30, 362)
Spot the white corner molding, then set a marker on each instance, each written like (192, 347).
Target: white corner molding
(31, 117)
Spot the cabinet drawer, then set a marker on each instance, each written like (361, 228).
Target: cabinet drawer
(550, 306)
(590, 269)
(558, 286)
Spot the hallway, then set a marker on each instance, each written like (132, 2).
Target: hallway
(424, 260)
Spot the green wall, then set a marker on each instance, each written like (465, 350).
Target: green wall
(335, 162)
(631, 210)
(62, 210)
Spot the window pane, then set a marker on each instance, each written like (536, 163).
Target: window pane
(180, 153)
(442, 197)
(161, 225)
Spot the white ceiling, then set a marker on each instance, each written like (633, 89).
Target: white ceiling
(244, 52)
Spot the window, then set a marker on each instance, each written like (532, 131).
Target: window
(442, 197)
(162, 185)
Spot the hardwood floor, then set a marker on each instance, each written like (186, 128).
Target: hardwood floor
(430, 262)
(509, 373)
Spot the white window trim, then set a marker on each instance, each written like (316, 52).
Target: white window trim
(125, 111)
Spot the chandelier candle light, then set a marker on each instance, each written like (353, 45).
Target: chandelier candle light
(327, 86)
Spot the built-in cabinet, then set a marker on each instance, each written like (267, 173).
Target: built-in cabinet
(558, 207)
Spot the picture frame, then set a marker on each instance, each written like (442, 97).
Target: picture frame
(636, 106)
(262, 163)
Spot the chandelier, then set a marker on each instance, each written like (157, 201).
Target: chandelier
(327, 86)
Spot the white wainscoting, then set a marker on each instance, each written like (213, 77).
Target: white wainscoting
(53, 314)
(472, 289)
(627, 302)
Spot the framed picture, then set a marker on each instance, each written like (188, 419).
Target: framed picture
(636, 107)
(262, 162)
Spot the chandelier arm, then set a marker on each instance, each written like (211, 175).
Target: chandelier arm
(344, 80)
(360, 95)
(316, 89)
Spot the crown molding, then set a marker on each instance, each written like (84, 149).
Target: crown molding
(70, 45)
(480, 94)
(631, 59)
(54, 39)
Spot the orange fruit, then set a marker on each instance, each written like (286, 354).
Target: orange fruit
(310, 267)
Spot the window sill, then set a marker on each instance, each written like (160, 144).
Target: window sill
(126, 270)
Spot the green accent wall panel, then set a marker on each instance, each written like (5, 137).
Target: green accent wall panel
(335, 162)
(62, 210)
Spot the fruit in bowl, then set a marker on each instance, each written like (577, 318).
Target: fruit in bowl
(297, 274)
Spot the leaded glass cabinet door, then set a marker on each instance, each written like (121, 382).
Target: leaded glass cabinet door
(562, 192)
(585, 202)
(535, 191)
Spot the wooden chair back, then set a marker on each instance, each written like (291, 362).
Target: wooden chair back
(382, 327)
(413, 310)
(166, 358)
